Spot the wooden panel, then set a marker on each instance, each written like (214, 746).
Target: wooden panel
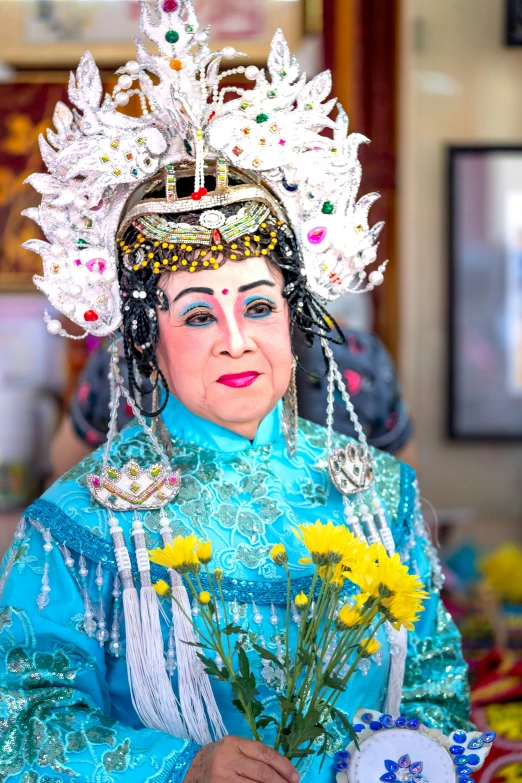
(361, 49)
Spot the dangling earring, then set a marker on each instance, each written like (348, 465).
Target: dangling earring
(289, 419)
(157, 425)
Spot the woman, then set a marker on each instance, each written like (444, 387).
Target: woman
(96, 682)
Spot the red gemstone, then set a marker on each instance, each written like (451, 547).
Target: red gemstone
(170, 5)
(216, 237)
(196, 196)
(90, 315)
(211, 116)
(202, 191)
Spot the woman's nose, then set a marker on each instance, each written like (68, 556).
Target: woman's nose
(235, 339)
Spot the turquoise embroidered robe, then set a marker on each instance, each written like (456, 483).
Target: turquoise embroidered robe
(65, 707)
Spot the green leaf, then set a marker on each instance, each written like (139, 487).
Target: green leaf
(333, 682)
(212, 668)
(306, 728)
(266, 655)
(244, 664)
(238, 705)
(287, 705)
(265, 721)
(231, 629)
(347, 726)
(300, 754)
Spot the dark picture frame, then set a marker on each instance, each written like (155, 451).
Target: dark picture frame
(513, 33)
(485, 293)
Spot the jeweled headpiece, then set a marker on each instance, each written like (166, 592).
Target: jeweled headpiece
(102, 163)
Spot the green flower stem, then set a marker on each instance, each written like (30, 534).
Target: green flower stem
(354, 665)
(215, 643)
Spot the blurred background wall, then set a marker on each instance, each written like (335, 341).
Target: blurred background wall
(459, 84)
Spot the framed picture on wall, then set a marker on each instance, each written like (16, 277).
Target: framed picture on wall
(485, 293)
(514, 22)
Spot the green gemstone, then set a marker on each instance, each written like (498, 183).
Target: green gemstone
(112, 473)
(172, 36)
(187, 146)
(262, 118)
(189, 28)
(309, 106)
(155, 471)
(328, 208)
(81, 242)
(133, 470)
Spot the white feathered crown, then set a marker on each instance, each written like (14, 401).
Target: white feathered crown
(98, 157)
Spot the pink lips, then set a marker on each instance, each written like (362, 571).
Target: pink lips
(238, 380)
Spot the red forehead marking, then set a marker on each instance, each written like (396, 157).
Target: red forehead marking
(225, 291)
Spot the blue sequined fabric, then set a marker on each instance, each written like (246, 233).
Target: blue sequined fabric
(244, 497)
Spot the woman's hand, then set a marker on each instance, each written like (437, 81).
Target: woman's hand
(237, 760)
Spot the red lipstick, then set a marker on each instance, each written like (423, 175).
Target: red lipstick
(238, 380)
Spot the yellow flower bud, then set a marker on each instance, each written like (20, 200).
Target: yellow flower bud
(301, 601)
(369, 647)
(218, 575)
(204, 597)
(204, 552)
(279, 555)
(347, 618)
(163, 589)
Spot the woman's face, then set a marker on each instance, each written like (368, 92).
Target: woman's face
(224, 343)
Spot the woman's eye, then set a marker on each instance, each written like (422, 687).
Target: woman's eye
(260, 309)
(200, 318)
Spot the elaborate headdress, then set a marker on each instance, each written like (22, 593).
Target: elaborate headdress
(101, 160)
(113, 206)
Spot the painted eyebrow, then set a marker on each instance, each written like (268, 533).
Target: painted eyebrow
(194, 290)
(248, 286)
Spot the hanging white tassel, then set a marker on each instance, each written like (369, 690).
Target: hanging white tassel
(398, 641)
(139, 682)
(195, 691)
(166, 704)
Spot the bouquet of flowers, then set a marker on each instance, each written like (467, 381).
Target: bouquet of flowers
(333, 633)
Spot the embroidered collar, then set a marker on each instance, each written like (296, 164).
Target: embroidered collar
(185, 425)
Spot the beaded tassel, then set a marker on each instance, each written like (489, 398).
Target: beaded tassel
(116, 647)
(351, 518)
(42, 599)
(195, 692)
(13, 553)
(89, 624)
(137, 665)
(102, 633)
(166, 704)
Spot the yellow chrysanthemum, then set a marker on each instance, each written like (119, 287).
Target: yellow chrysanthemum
(329, 543)
(301, 601)
(204, 597)
(369, 647)
(386, 579)
(334, 574)
(503, 571)
(180, 555)
(348, 617)
(204, 552)
(163, 589)
(279, 555)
